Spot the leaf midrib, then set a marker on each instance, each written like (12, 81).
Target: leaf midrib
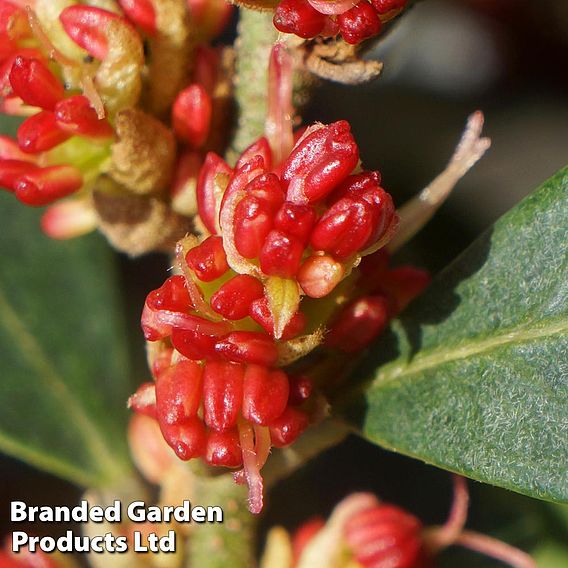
(107, 464)
(475, 346)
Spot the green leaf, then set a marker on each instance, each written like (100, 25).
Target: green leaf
(64, 367)
(473, 377)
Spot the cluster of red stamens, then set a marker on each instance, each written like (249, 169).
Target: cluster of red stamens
(31, 85)
(355, 22)
(220, 330)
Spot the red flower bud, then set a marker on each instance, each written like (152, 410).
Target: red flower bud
(253, 221)
(34, 83)
(300, 390)
(12, 170)
(385, 535)
(359, 23)
(281, 255)
(345, 228)
(191, 115)
(295, 220)
(209, 192)
(178, 392)
(222, 394)
(385, 6)
(287, 427)
(171, 295)
(87, 25)
(45, 185)
(142, 13)
(319, 162)
(248, 347)
(233, 299)
(298, 17)
(259, 148)
(75, 115)
(40, 133)
(359, 323)
(319, 275)
(188, 439)
(206, 66)
(267, 187)
(194, 345)
(260, 312)
(224, 449)
(265, 394)
(208, 260)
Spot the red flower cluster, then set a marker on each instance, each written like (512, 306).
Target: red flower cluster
(31, 85)
(374, 534)
(355, 23)
(221, 330)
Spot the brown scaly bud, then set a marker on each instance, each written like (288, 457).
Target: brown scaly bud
(136, 224)
(144, 155)
(171, 53)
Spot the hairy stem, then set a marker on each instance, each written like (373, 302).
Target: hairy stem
(230, 543)
(256, 35)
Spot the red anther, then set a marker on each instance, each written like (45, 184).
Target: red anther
(142, 13)
(9, 150)
(385, 6)
(359, 23)
(143, 401)
(45, 185)
(233, 299)
(385, 536)
(212, 181)
(403, 284)
(298, 17)
(242, 177)
(356, 185)
(12, 170)
(359, 324)
(208, 259)
(188, 439)
(345, 228)
(268, 188)
(224, 449)
(319, 162)
(265, 394)
(260, 312)
(178, 392)
(259, 148)
(281, 254)
(191, 115)
(171, 295)
(40, 133)
(194, 345)
(287, 427)
(34, 83)
(87, 27)
(295, 220)
(75, 115)
(319, 275)
(252, 221)
(385, 219)
(206, 66)
(222, 394)
(248, 347)
(300, 390)
(331, 28)
(13, 21)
